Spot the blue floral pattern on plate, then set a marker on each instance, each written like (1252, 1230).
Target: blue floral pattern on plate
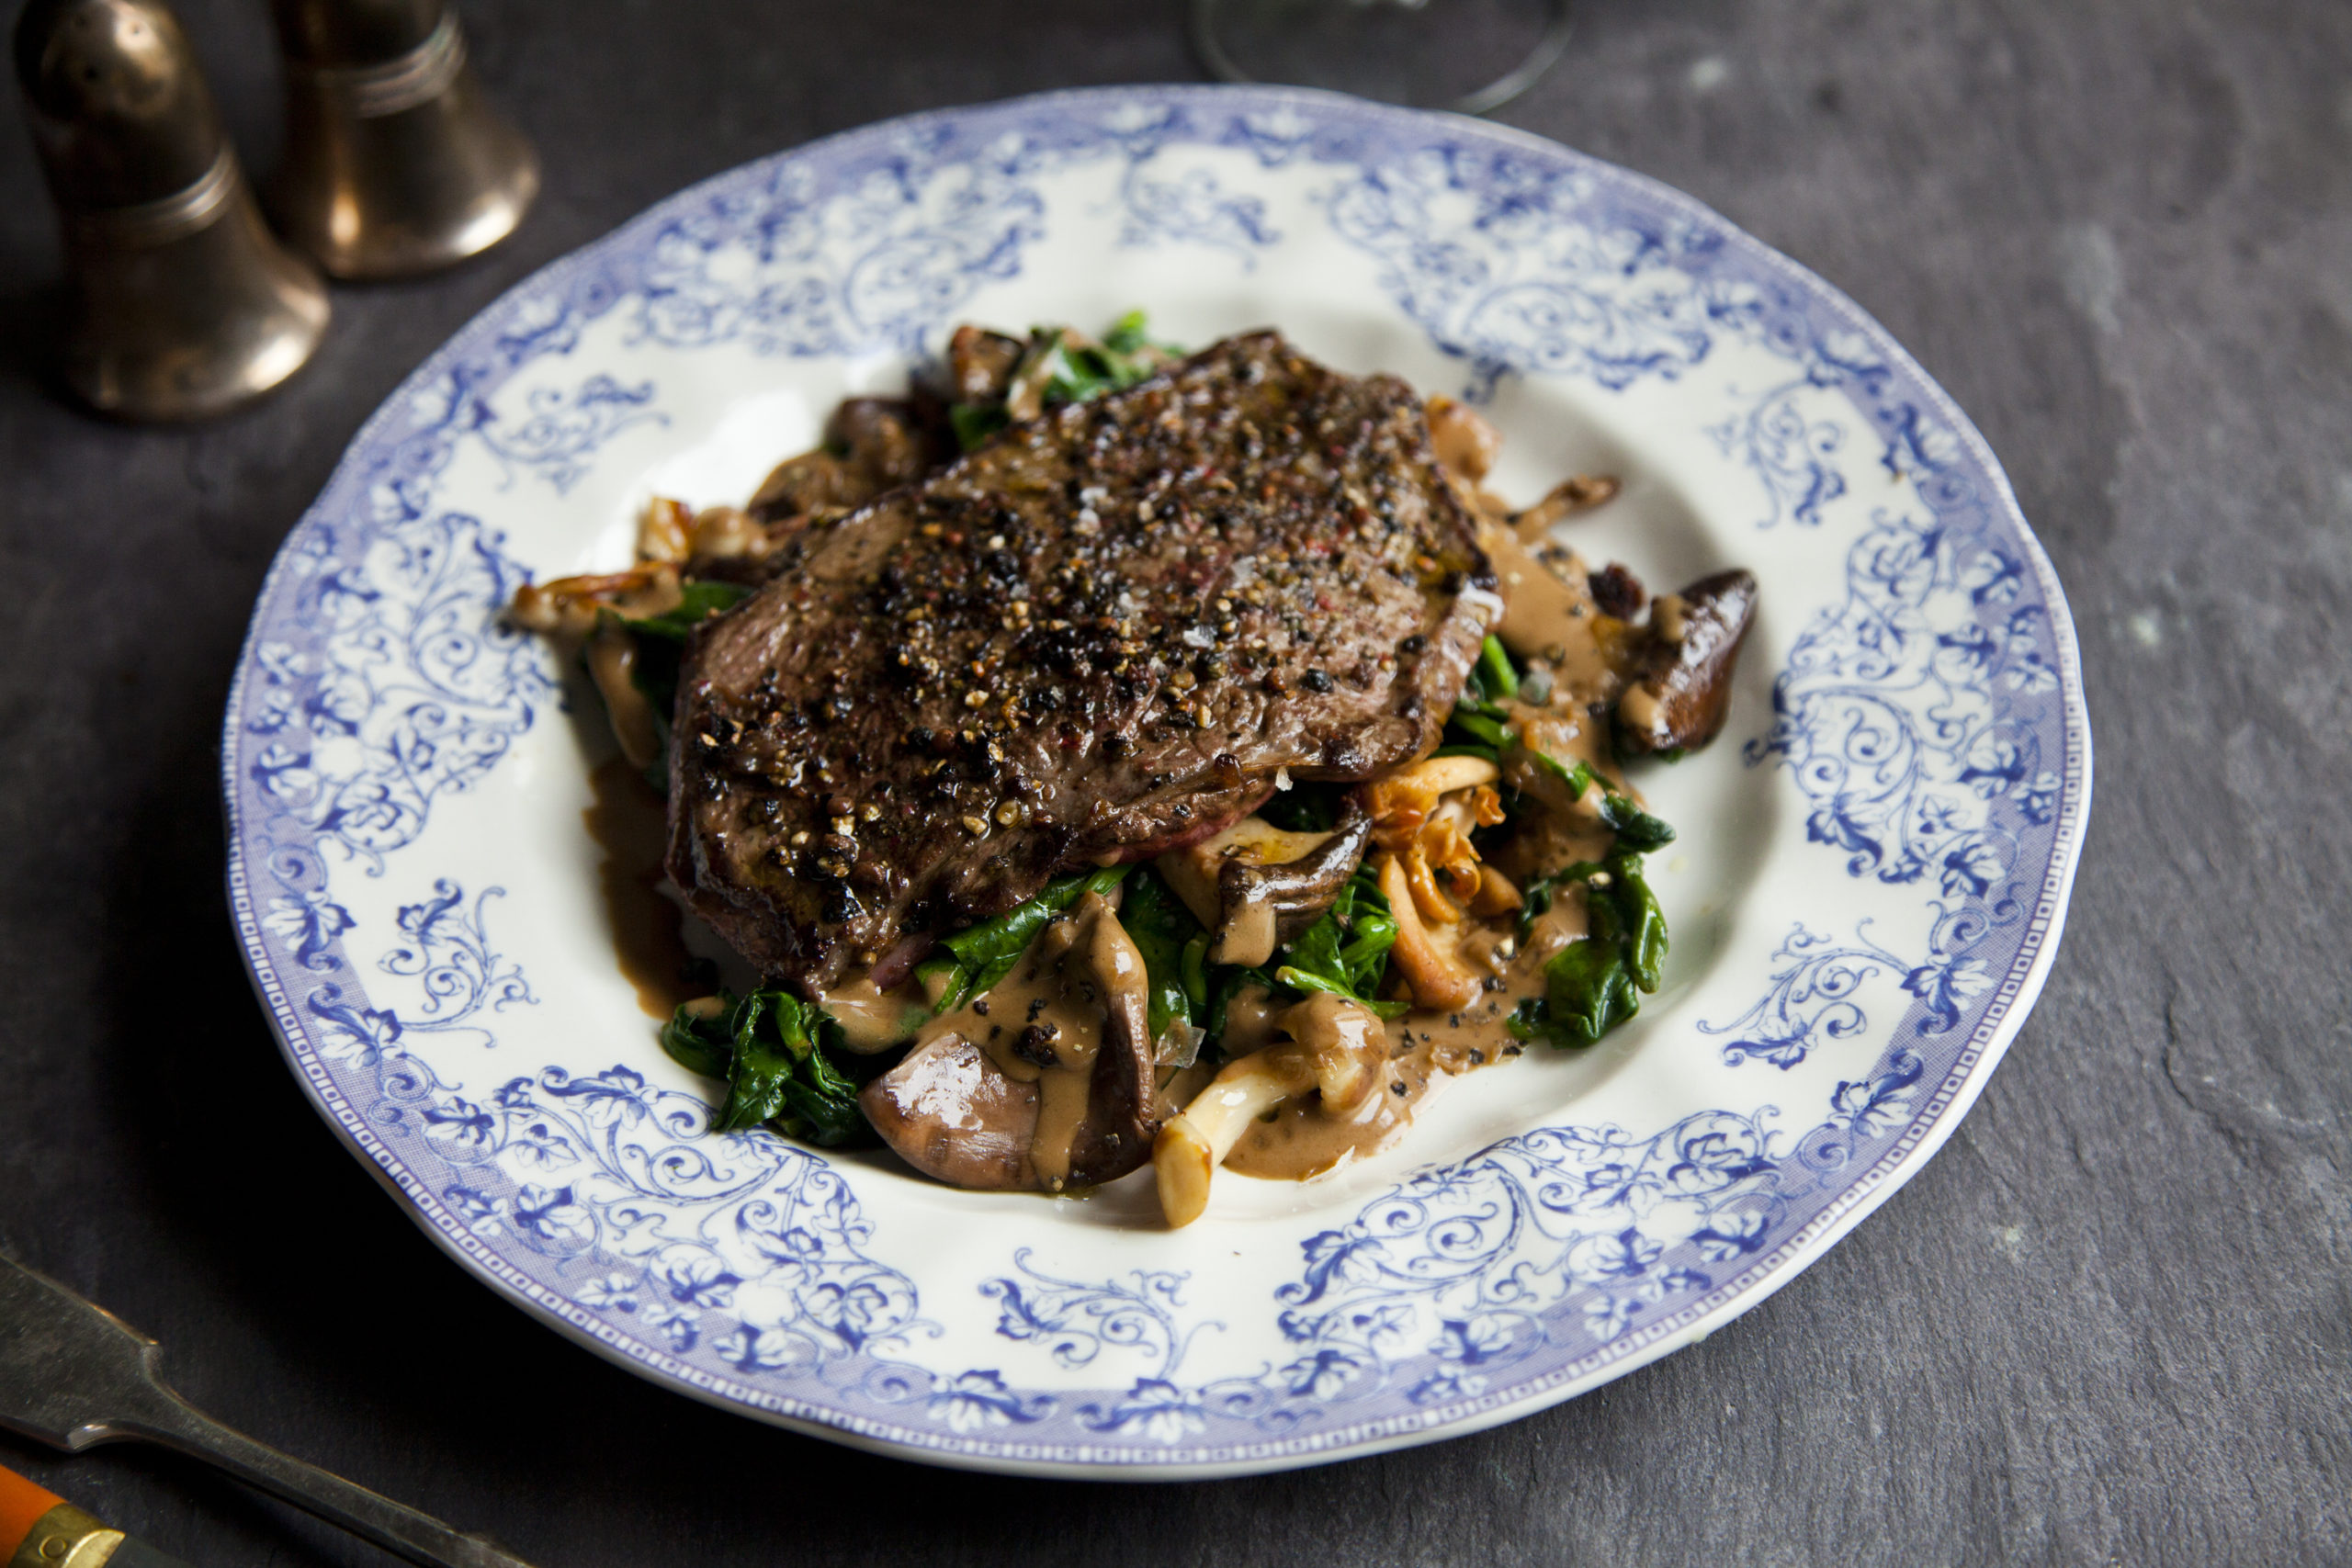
(1926, 727)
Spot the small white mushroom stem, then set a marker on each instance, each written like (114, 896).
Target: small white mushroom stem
(1336, 1047)
(612, 664)
(1190, 1147)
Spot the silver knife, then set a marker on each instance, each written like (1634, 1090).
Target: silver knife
(74, 1375)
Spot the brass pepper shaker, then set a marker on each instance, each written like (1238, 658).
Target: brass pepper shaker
(395, 162)
(182, 304)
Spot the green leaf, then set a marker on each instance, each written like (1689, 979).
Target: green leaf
(1591, 987)
(1197, 974)
(1127, 336)
(1541, 893)
(1072, 372)
(702, 599)
(1644, 922)
(1637, 832)
(1346, 952)
(765, 1047)
(1587, 993)
(770, 1029)
(1498, 680)
(975, 422)
(823, 1104)
(1163, 930)
(1304, 980)
(699, 1041)
(1468, 727)
(983, 955)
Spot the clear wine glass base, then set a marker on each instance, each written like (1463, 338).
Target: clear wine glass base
(1472, 56)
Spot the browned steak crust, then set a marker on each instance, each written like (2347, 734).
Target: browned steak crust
(1104, 631)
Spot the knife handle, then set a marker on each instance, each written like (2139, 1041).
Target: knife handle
(22, 1505)
(40, 1529)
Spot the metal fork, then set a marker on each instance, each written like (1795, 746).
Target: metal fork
(74, 1375)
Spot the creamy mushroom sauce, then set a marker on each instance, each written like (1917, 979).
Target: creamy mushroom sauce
(624, 819)
(1551, 623)
(1044, 1023)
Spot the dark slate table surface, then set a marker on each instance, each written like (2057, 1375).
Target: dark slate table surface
(2111, 1322)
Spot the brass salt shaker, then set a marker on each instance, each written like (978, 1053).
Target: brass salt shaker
(182, 304)
(395, 162)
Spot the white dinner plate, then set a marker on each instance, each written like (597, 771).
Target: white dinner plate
(1866, 896)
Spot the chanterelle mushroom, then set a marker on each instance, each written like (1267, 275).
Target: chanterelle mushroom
(1336, 1048)
(1046, 1080)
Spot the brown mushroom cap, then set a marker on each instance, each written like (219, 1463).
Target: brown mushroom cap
(981, 363)
(1680, 700)
(999, 1097)
(1284, 897)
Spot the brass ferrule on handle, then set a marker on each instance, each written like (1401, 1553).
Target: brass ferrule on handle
(65, 1536)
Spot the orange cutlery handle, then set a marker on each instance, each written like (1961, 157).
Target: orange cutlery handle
(22, 1505)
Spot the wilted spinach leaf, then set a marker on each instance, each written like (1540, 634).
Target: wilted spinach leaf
(1637, 832)
(1163, 929)
(1345, 952)
(766, 1046)
(1591, 987)
(701, 601)
(973, 960)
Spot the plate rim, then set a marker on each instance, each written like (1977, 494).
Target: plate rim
(1861, 1194)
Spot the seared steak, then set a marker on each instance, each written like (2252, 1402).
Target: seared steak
(1105, 633)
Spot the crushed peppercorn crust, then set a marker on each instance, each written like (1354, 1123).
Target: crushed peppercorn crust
(1101, 634)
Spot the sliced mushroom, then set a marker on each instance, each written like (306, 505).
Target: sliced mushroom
(1264, 904)
(1047, 1081)
(1677, 701)
(1336, 1049)
(1463, 440)
(1402, 802)
(664, 530)
(726, 533)
(885, 442)
(981, 364)
(569, 605)
(1577, 493)
(871, 444)
(1429, 962)
(612, 664)
(1257, 887)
